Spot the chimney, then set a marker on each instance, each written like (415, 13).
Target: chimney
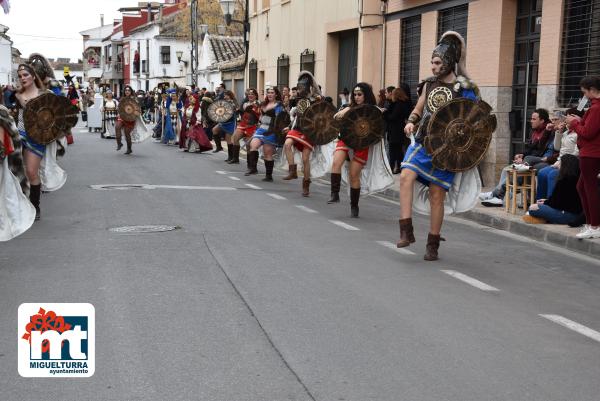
(149, 8)
(101, 19)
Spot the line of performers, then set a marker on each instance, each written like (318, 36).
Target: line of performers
(28, 158)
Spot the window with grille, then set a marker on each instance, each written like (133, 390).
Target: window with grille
(453, 19)
(411, 54)
(283, 71)
(580, 47)
(253, 73)
(307, 61)
(165, 54)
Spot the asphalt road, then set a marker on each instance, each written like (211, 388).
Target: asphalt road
(263, 295)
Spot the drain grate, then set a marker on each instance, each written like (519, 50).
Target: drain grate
(143, 229)
(119, 187)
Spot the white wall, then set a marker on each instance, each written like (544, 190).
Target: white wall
(5, 62)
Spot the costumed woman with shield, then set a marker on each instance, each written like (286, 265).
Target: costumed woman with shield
(454, 130)
(265, 135)
(129, 109)
(250, 111)
(226, 128)
(308, 93)
(361, 133)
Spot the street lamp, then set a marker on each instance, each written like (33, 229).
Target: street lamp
(228, 7)
(179, 54)
(221, 29)
(203, 31)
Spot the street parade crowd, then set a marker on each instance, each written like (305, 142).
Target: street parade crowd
(362, 144)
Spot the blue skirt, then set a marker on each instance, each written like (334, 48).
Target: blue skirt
(228, 127)
(417, 160)
(265, 139)
(34, 147)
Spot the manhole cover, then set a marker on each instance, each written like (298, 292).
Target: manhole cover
(119, 187)
(143, 229)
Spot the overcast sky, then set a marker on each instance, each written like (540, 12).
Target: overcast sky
(52, 27)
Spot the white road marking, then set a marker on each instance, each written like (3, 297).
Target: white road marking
(124, 187)
(234, 178)
(252, 186)
(393, 247)
(569, 324)
(344, 225)
(275, 196)
(306, 209)
(221, 172)
(470, 280)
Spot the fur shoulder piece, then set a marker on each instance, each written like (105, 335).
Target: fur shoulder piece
(465, 83)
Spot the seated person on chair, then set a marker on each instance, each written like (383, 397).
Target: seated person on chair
(537, 147)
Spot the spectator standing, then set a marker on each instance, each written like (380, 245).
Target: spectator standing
(588, 141)
(395, 115)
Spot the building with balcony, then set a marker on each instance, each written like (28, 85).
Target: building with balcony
(92, 52)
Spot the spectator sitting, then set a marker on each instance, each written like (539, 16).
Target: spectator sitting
(537, 147)
(565, 141)
(564, 205)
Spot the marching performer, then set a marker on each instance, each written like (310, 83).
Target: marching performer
(227, 128)
(109, 115)
(172, 116)
(17, 214)
(449, 81)
(250, 111)
(264, 135)
(124, 123)
(308, 92)
(362, 94)
(196, 139)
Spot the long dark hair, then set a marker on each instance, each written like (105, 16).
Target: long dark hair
(36, 79)
(367, 91)
(130, 89)
(569, 167)
(277, 96)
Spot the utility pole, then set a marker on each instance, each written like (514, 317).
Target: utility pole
(194, 33)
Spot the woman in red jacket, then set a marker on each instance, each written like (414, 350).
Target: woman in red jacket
(588, 141)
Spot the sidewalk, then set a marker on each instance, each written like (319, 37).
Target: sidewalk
(496, 217)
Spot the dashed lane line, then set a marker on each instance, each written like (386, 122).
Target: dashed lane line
(234, 178)
(393, 247)
(252, 186)
(221, 172)
(306, 209)
(470, 280)
(569, 324)
(344, 225)
(275, 196)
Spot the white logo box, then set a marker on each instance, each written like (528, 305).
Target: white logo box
(81, 364)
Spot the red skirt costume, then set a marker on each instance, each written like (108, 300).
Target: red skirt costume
(126, 124)
(361, 156)
(249, 121)
(301, 141)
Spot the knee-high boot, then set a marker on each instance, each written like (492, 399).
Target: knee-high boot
(336, 181)
(354, 196)
(235, 158)
(252, 162)
(269, 170)
(229, 153)
(217, 139)
(129, 145)
(34, 198)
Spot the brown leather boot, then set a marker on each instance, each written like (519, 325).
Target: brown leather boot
(433, 244)
(407, 236)
(293, 172)
(306, 187)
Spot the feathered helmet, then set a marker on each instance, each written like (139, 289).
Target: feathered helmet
(307, 79)
(453, 52)
(42, 67)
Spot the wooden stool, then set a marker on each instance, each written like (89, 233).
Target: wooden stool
(527, 189)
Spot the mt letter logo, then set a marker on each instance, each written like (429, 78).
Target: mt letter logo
(56, 340)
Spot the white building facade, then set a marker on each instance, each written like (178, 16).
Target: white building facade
(6, 65)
